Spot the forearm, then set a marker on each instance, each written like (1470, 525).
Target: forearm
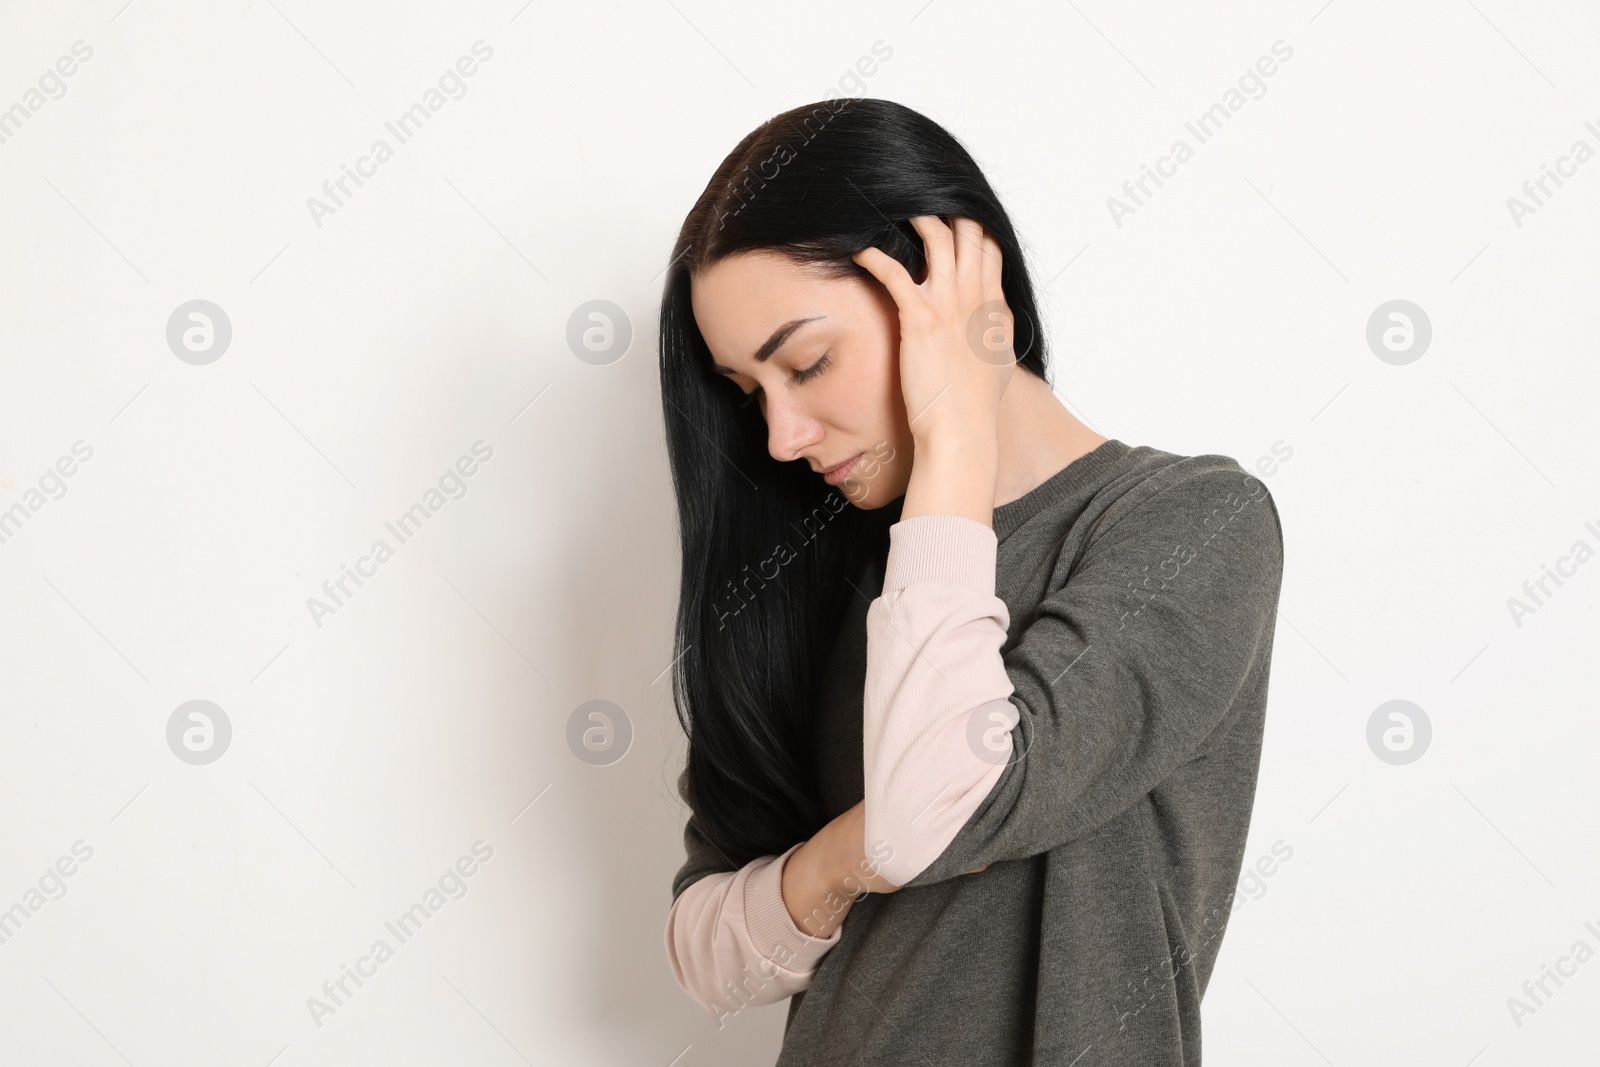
(936, 708)
(731, 931)
(955, 469)
(823, 877)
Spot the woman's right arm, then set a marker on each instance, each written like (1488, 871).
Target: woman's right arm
(757, 935)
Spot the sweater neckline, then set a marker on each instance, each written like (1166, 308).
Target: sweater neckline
(1066, 481)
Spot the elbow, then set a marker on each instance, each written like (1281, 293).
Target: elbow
(919, 798)
(876, 830)
(891, 849)
(899, 826)
(892, 827)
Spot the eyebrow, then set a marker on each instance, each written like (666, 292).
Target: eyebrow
(773, 343)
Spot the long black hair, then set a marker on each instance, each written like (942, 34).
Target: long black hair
(771, 553)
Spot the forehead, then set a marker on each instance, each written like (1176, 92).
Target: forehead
(749, 303)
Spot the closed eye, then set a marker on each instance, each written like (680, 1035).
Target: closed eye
(815, 369)
(799, 376)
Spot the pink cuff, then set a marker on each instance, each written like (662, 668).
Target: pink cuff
(731, 943)
(771, 926)
(941, 548)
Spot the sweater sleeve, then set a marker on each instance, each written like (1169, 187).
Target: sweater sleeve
(935, 715)
(972, 756)
(731, 941)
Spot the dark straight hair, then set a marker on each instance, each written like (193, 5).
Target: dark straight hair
(771, 553)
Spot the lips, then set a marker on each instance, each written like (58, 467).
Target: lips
(835, 475)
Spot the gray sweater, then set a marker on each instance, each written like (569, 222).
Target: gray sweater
(1142, 589)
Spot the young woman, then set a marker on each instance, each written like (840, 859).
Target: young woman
(974, 696)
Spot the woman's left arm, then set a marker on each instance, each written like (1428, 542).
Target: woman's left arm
(972, 757)
(1122, 673)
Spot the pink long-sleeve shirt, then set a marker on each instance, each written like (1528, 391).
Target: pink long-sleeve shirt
(936, 736)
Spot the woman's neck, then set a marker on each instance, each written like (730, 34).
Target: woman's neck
(1038, 436)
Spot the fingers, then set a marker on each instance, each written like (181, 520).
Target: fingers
(979, 260)
(962, 255)
(888, 270)
(968, 238)
(939, 244)
(993, 267)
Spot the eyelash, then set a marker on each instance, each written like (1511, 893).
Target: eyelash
(800, 376)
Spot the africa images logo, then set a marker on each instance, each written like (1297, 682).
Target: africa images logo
(451, 885)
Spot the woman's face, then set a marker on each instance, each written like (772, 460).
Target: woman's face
(821, 358)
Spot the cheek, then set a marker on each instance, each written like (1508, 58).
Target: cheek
(865, 397)
(876, 422)
(883, 388)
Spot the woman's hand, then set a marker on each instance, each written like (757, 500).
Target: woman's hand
(956, 359)
(956, 330)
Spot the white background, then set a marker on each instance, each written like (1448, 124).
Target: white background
(371, 351)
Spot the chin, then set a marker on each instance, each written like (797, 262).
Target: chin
(871, 496)
(861, 495)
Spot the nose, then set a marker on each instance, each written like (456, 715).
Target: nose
(789, 430)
